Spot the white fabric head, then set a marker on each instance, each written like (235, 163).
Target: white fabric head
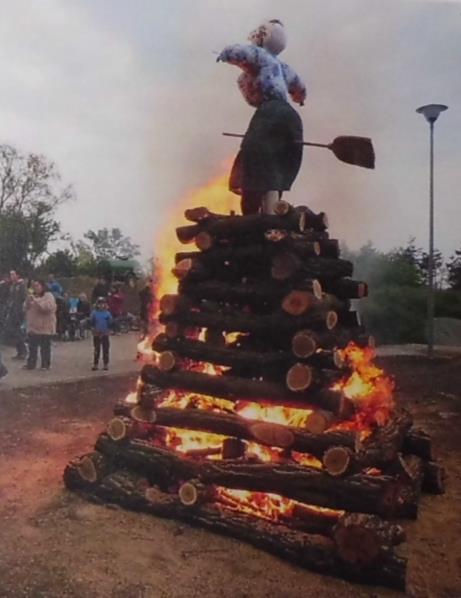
(270, 35)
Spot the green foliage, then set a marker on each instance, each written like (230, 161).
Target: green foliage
(30, 192)
(395, 311)
(107, 243)
(454, 271)
(61, 263)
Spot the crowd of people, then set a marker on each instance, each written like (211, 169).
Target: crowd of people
(33, 313)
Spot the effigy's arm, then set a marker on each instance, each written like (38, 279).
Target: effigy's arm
(244, 56)
(295, 85)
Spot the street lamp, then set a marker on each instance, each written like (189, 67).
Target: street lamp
(431, 113)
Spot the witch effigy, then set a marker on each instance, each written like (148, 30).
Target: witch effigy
(271, 153)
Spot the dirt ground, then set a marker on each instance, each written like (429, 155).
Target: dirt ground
(54, 544)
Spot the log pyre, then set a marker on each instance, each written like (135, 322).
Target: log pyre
(262, 414)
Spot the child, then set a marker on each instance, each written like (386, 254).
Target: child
(101, 321)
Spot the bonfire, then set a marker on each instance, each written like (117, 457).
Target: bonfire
(260, 411)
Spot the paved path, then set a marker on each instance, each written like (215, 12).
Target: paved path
(72, 361)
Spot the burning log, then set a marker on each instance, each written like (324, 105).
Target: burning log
(234, 357)
(255, 253)
(381, 495)
(264, 324)
(364, 539)
(297, 439)
(236, 226)
(338, 460)
(312, 551)
(385, 443)
(254, 294)
(234, 388)
(289, 266)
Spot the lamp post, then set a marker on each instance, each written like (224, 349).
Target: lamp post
(431, 113)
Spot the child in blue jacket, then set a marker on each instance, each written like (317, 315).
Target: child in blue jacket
(101, 322)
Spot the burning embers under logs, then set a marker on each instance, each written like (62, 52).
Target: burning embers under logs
(262, 414)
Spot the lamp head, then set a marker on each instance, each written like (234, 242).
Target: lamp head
(431, 111)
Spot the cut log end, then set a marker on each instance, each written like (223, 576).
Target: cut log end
(297, 303)
(357, 545)
(303, 344)
(119, 428)
(204, 241)
(317, 289)
(337, 460)
(167, 361)
(331, 320)
(169, 304)
(92, 467)
(191, 493)
(299, 377)
(143, 415)
(319, 421)
(182, 268)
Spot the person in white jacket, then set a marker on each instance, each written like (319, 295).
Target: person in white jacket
(40, 324)
(271, 153)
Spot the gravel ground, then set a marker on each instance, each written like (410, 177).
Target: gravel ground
(55, 544)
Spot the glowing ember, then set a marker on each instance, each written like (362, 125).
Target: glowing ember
(273, 414)
(184, 441)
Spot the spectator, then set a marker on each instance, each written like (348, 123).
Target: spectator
(41, 324)
(15, 314)
(83, 313)
(116, 304)
(146, 299)
(54, 286)
(3, 369)
(101, 320)
(62, 316)
(101, 289)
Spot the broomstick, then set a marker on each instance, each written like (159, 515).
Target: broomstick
(347, 148)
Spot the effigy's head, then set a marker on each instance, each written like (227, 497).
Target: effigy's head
(270, 35)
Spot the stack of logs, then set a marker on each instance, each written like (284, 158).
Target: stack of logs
(278, 284)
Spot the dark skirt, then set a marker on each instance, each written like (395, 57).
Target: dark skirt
(269, 158)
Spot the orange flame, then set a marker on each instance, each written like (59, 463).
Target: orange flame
(368, 386)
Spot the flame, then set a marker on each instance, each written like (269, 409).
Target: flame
(367, 386)
(266, 505)
(217, 197)
(273, 414)
(184, 441)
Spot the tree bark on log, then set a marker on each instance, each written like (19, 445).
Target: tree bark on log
(234, 226)
(266, 324)
(381, 495)
(288, 266)
(226, 424)
(314, 552)
(254, 294)
(235, 357)
(235, 389)
(418, 442)
(385, 443)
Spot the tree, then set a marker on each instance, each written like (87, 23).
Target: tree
(454, 270)
(107, 244)
(30, 193)
(61, 263)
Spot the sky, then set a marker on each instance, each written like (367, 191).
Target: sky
(128, 100)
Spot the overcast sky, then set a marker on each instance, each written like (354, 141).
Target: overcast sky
(127, 99)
